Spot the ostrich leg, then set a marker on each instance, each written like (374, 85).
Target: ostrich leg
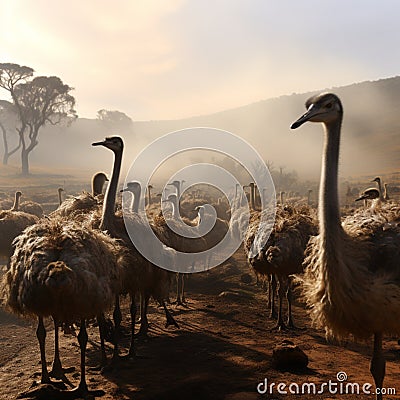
(280, 325)
(83, 339)
(378, 364)
(144, 323)
(117, 317)
(102, 322)
(41, 335)
(273, 286)
(57, 371)
(133, 309)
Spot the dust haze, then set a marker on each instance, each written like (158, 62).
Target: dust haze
(369, 141)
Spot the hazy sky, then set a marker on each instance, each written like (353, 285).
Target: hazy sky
(177, 58)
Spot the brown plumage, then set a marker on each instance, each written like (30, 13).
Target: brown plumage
(138, 270)
(182, 243)
(283, 253)
(84, 203)
(65, 270)
(352, 276)
(29, 207)
(154, 281)
(12, 223)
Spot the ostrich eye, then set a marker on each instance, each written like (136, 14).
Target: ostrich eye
(329, 105)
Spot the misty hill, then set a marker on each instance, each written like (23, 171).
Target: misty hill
(370, 140)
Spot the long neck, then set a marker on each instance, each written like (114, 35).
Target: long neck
(252, 200)
(135, 201)
(59, 197)
(111, 193)
(381, 196)
(15, 206)
(175, 210)
(385, 193)
(97, 186)
(329, 213)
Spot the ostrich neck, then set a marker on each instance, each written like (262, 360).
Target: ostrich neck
(59, 198)
(109, 201)
(15, 206)
(175, 211)
(135, 201)
(381, 196)
(252, 193)
(329, 213)
(97, 187)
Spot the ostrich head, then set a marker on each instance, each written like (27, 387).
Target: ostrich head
(325, 107)
(114, 143)
(60, 189)
(133, 187)
(369, 194)
(177, 184)
(377, 180)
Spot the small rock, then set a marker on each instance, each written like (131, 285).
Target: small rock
(288, 356)
(246, 278)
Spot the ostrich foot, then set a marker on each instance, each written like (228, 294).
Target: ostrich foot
(279, 327)
(171, 321)
(58, 372)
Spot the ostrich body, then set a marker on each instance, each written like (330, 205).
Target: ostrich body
(29, 207)
(12, 223)
(67, 270)
(138, 271)
(352, 276)
(180, 243)
(283, 253)
(156, 283)
(85, 202)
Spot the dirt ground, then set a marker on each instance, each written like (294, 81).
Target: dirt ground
(222, 350)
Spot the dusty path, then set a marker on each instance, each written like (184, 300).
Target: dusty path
(222, 351)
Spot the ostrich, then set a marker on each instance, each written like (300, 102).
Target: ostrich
(180, 243)
(283, 253)
(351, 280)
(12, 223)
(370, 194)
(138, 272)
(29, 207)
(85, 202)
(67, 270)
(158, 274)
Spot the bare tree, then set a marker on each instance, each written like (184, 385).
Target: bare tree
(40, 101)
(8, 123)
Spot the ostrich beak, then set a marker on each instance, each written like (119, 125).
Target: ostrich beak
(102, 143)
(311, 112)
(361, 198)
